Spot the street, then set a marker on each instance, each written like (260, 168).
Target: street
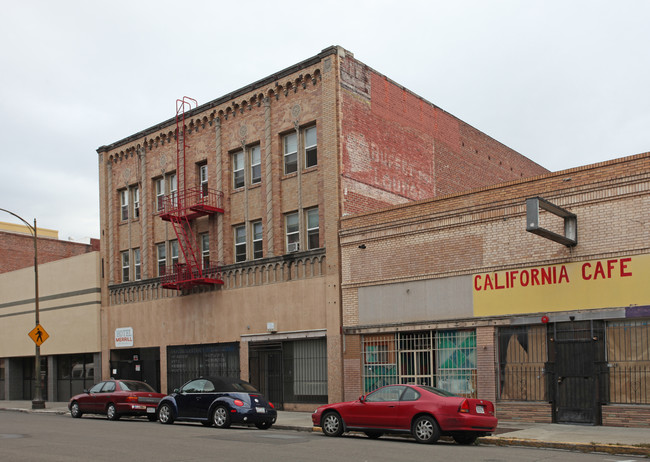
(29, 437)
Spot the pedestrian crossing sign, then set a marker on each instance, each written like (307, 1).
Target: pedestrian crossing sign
(38, 335)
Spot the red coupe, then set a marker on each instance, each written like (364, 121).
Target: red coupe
(425, 412)
(116, 398)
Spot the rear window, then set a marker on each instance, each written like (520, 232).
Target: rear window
(136, 386)
(437, 391)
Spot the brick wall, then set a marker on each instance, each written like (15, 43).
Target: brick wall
(397, 147)
(621, 415)
(524, 411)
(17, 250)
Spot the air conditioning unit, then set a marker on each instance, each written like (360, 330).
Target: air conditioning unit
(293, 247)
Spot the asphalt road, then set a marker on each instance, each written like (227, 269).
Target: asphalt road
(28, 437)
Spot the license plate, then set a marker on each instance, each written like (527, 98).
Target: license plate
(151, 410)
(480, 410)
(260, 410)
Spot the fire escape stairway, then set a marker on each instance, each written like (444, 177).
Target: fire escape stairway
(180, 209)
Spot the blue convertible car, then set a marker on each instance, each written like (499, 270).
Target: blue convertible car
(218, 401)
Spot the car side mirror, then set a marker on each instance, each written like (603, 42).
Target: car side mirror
(362, 399)
(176, 390)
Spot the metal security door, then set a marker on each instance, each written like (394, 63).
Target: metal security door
(266, 371)
(578, 351)
(577, 386)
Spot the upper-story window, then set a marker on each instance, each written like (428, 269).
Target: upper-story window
(238, 169)
(124, 204)
(290, 149)
(258, 245)
(240, 243)
(125, 266)
(292, 227)
(137, 275)
(135, 193)
(311, 151)
(256, 164)
(203, 179)
(311, 217)
(160, 193)
(173, 247)
(162, 258)
(205, 250)
(173, 189)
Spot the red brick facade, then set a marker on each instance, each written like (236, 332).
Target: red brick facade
(17, 250)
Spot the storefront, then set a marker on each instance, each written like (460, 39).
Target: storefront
(549, 316)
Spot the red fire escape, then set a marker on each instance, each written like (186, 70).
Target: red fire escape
(180, 208)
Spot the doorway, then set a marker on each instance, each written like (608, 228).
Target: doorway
(577, 349)
(265, 366)
(141, 364)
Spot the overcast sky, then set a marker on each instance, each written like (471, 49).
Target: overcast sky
(563, 82)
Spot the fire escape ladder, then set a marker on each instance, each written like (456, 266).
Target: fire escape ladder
(183, 206)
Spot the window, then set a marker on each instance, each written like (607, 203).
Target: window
(205, 250)
(203, 179)
(160, 193)
(240, 243)
(256, 164)
(173, 245)
(293, 232)
(135, 192)
(136, 265)
(162, 259)
(311, 151)
(173, 189)
(258, 246)
(290, 148)
(312, 229)
(124, 203)
(238, 169)
(125, 266)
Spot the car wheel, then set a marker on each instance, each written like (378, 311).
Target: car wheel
(152, 417)
(263, 425)
(425, 429)
(373, 435)
(75, 411)
(221, 417)
(166, 414)
(111, 412)
(465, 438)
(332, 424)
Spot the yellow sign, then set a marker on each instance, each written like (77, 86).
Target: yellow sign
(607, 283)
(38, 335)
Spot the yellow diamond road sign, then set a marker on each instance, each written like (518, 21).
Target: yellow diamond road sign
(38, 335)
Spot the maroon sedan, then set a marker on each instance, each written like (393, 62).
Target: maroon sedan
(116, 398)
(425, 412)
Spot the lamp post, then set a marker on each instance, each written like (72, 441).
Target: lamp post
(37, 402)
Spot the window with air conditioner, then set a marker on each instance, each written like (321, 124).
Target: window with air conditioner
(292, 226)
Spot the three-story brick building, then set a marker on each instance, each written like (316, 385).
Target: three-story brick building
(220, 245)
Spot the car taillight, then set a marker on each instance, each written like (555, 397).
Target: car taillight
(271, 404)
(132, 399)
(238, 402)
(464, 407)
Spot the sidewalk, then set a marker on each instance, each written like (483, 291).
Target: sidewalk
(611, 440)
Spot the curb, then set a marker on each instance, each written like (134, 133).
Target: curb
(581, 447)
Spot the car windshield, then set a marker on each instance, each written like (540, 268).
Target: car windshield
(136, 386)
(437, 391)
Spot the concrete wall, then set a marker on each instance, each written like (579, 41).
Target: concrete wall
(69, 305)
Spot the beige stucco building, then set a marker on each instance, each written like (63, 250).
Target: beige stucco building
(69, 312)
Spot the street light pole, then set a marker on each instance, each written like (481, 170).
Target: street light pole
(37, 402)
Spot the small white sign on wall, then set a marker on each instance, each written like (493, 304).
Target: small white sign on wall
(124, 337)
